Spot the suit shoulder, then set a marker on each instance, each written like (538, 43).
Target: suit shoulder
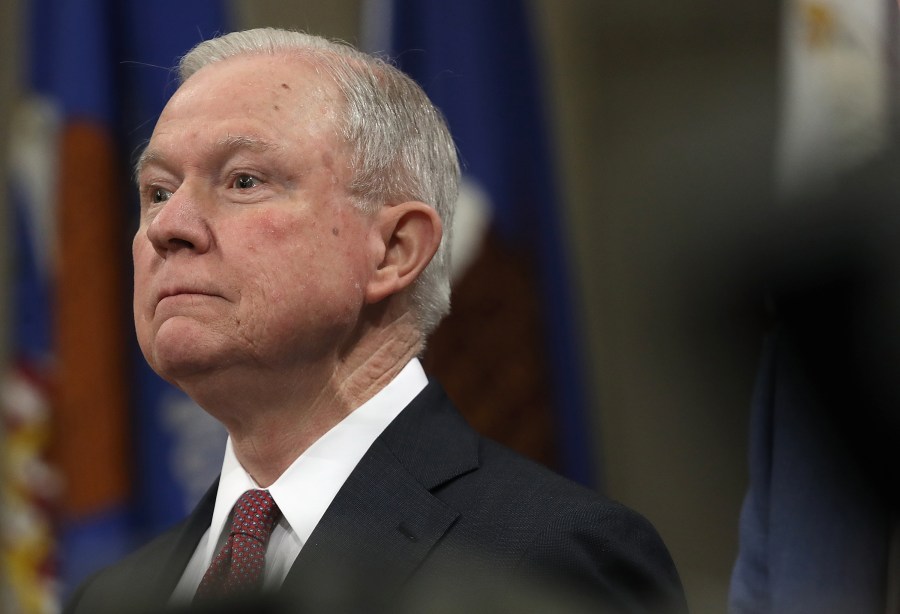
(565, 530)
(524, 482)
(131, 583)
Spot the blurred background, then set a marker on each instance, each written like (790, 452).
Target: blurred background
(616, 156)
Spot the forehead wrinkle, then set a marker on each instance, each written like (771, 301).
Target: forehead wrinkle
(235, 142)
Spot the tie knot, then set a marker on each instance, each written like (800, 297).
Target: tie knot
(255, 514)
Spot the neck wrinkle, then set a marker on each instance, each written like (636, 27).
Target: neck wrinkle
(273, 438)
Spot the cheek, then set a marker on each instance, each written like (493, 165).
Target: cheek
(301, 265)
(280, 226)
(141, 252)
(141, 302)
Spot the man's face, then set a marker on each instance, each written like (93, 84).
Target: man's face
(250, 253)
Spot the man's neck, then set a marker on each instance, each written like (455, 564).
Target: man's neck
(274, 423)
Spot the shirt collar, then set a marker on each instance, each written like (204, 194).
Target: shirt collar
(306, 488)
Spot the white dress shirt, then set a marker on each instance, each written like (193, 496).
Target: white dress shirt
(306, 488)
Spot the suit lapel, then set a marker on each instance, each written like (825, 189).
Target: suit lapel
(186, 538)
(385, 515)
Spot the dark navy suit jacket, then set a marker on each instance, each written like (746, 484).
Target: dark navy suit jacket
(433, 499)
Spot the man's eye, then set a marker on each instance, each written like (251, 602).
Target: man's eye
(159, 195)
(245, 182)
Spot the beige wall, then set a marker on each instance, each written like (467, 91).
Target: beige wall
(9, 70)
(666, 118)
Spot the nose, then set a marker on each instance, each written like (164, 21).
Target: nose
(181, 223)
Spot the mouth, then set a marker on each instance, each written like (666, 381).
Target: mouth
(177, 292)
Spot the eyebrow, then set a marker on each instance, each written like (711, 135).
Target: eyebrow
(227, 144)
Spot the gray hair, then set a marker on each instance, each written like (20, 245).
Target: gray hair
(400, 144)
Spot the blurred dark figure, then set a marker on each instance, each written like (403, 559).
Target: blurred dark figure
(819, 525)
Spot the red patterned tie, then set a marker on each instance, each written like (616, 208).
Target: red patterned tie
(239, 565)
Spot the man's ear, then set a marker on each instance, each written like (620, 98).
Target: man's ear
(409, 236)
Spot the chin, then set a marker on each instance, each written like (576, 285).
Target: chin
(177, 353)
(176, 369)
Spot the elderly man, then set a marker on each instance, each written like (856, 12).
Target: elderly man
(290, 262)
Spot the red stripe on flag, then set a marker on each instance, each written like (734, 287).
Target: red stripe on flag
(91, 422)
